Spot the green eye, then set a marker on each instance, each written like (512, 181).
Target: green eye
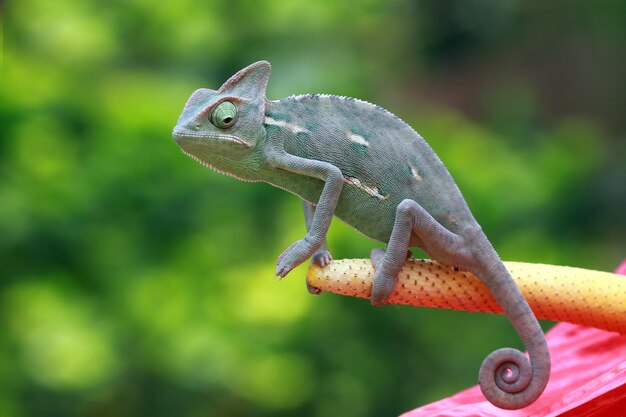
(224, 115)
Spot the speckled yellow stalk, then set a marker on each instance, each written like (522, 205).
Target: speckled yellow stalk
(559, 293)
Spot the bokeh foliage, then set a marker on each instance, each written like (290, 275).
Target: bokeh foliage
(134, 282)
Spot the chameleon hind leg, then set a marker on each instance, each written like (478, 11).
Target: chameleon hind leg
(410, 218)
(507, 378)
(322, 257)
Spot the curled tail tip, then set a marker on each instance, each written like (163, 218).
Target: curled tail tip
(509, 381)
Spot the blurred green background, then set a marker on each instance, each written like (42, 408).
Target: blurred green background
(135, 282)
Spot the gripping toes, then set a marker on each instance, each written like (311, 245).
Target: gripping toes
(322, 257)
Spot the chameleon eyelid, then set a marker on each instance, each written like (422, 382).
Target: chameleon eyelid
(237, 101)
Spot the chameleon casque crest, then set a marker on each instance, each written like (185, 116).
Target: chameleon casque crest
(361, 163)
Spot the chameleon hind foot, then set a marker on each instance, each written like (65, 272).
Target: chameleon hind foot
(384, 282)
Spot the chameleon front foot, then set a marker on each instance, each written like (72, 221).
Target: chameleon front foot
(312, 290)
(294, 255)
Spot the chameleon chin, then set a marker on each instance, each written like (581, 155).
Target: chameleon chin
(361, 163)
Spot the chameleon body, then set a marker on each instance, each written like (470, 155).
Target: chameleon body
(359, 162)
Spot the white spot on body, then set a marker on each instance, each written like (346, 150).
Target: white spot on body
(416, 174)
(373, 191)
(285, 125)
(358, 139)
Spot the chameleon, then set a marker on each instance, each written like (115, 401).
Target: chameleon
(348, 158)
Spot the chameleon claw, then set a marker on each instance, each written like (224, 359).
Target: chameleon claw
(293, 256)
(281, 272)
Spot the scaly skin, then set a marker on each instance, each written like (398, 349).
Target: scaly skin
(361, 163)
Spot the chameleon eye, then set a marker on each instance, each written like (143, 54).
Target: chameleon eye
(224, 115)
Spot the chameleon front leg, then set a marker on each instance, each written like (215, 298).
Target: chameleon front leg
(305, 248)
(507, 378)
(322, 257)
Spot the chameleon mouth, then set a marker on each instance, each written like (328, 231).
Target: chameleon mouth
(203, 162)
(183, 136)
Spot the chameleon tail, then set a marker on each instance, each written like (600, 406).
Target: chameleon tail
(507, 378)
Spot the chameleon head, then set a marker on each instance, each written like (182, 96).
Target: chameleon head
(221, 128)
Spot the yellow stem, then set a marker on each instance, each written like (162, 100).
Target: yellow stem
(559, 293)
